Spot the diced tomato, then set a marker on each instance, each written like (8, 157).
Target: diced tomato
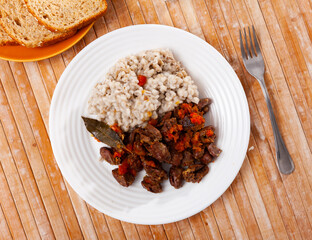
(123, 168)
(209, 133)
(197, 119)
(195, 109)
(179, 146)
(197, 149)
(181, 113)
(196, 144)
(195, 139)
(116, 154)
(170, 135)
(186, 141)
(173, 133)
(150, 163)
(153, 122)
(187, 107)
(142, 80)
(116, 128)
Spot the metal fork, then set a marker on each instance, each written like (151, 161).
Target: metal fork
(254, 64)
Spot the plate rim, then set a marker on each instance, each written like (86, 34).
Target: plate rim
(241, 89)
(84, 31)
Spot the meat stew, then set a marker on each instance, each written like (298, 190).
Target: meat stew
(179, 138)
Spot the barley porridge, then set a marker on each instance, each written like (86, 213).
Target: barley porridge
(139, 87)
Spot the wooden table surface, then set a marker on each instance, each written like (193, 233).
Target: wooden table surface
(36, 201)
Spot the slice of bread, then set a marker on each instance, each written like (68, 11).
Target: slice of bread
(5, 38)
(64, 15)
(24, 28)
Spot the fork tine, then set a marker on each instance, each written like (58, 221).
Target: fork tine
(251, 45)
(247, 48)
(242, 45)
(256, 41)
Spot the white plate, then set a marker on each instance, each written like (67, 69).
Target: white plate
(77, 153)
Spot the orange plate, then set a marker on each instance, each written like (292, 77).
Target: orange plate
(24, 54)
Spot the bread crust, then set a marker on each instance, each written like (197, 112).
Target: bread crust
(80, 24)
(8, 43)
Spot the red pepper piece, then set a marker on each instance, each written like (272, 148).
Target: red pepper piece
(150, 163)
(123, 168)
(142, 80)
(197, 119)
(209, 133)
(187, 107)
(116, 154)
(116, 128)
(179, 146)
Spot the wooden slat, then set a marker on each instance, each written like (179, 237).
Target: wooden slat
(222, 219)
(158, 232)
(10, 212)
(234, 215)
(100, 224)
(185, 229)
(299, 45)
(258, 206)
(212, 228)
(117, 231)
(190, 18)
(144, 232)
(306, 11)
(100, 27)
(176, 14)
(245, 208)
(271, 170)
(57, 65)
(172, 231)
(110, 17)
(162, 12)
(130, 230)
(5, 233)
(16, 188)
(148, 11)
(83, 215)
(197, 227)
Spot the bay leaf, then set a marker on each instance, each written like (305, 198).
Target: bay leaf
(103, 132)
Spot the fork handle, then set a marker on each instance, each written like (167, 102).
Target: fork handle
(284, 161)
